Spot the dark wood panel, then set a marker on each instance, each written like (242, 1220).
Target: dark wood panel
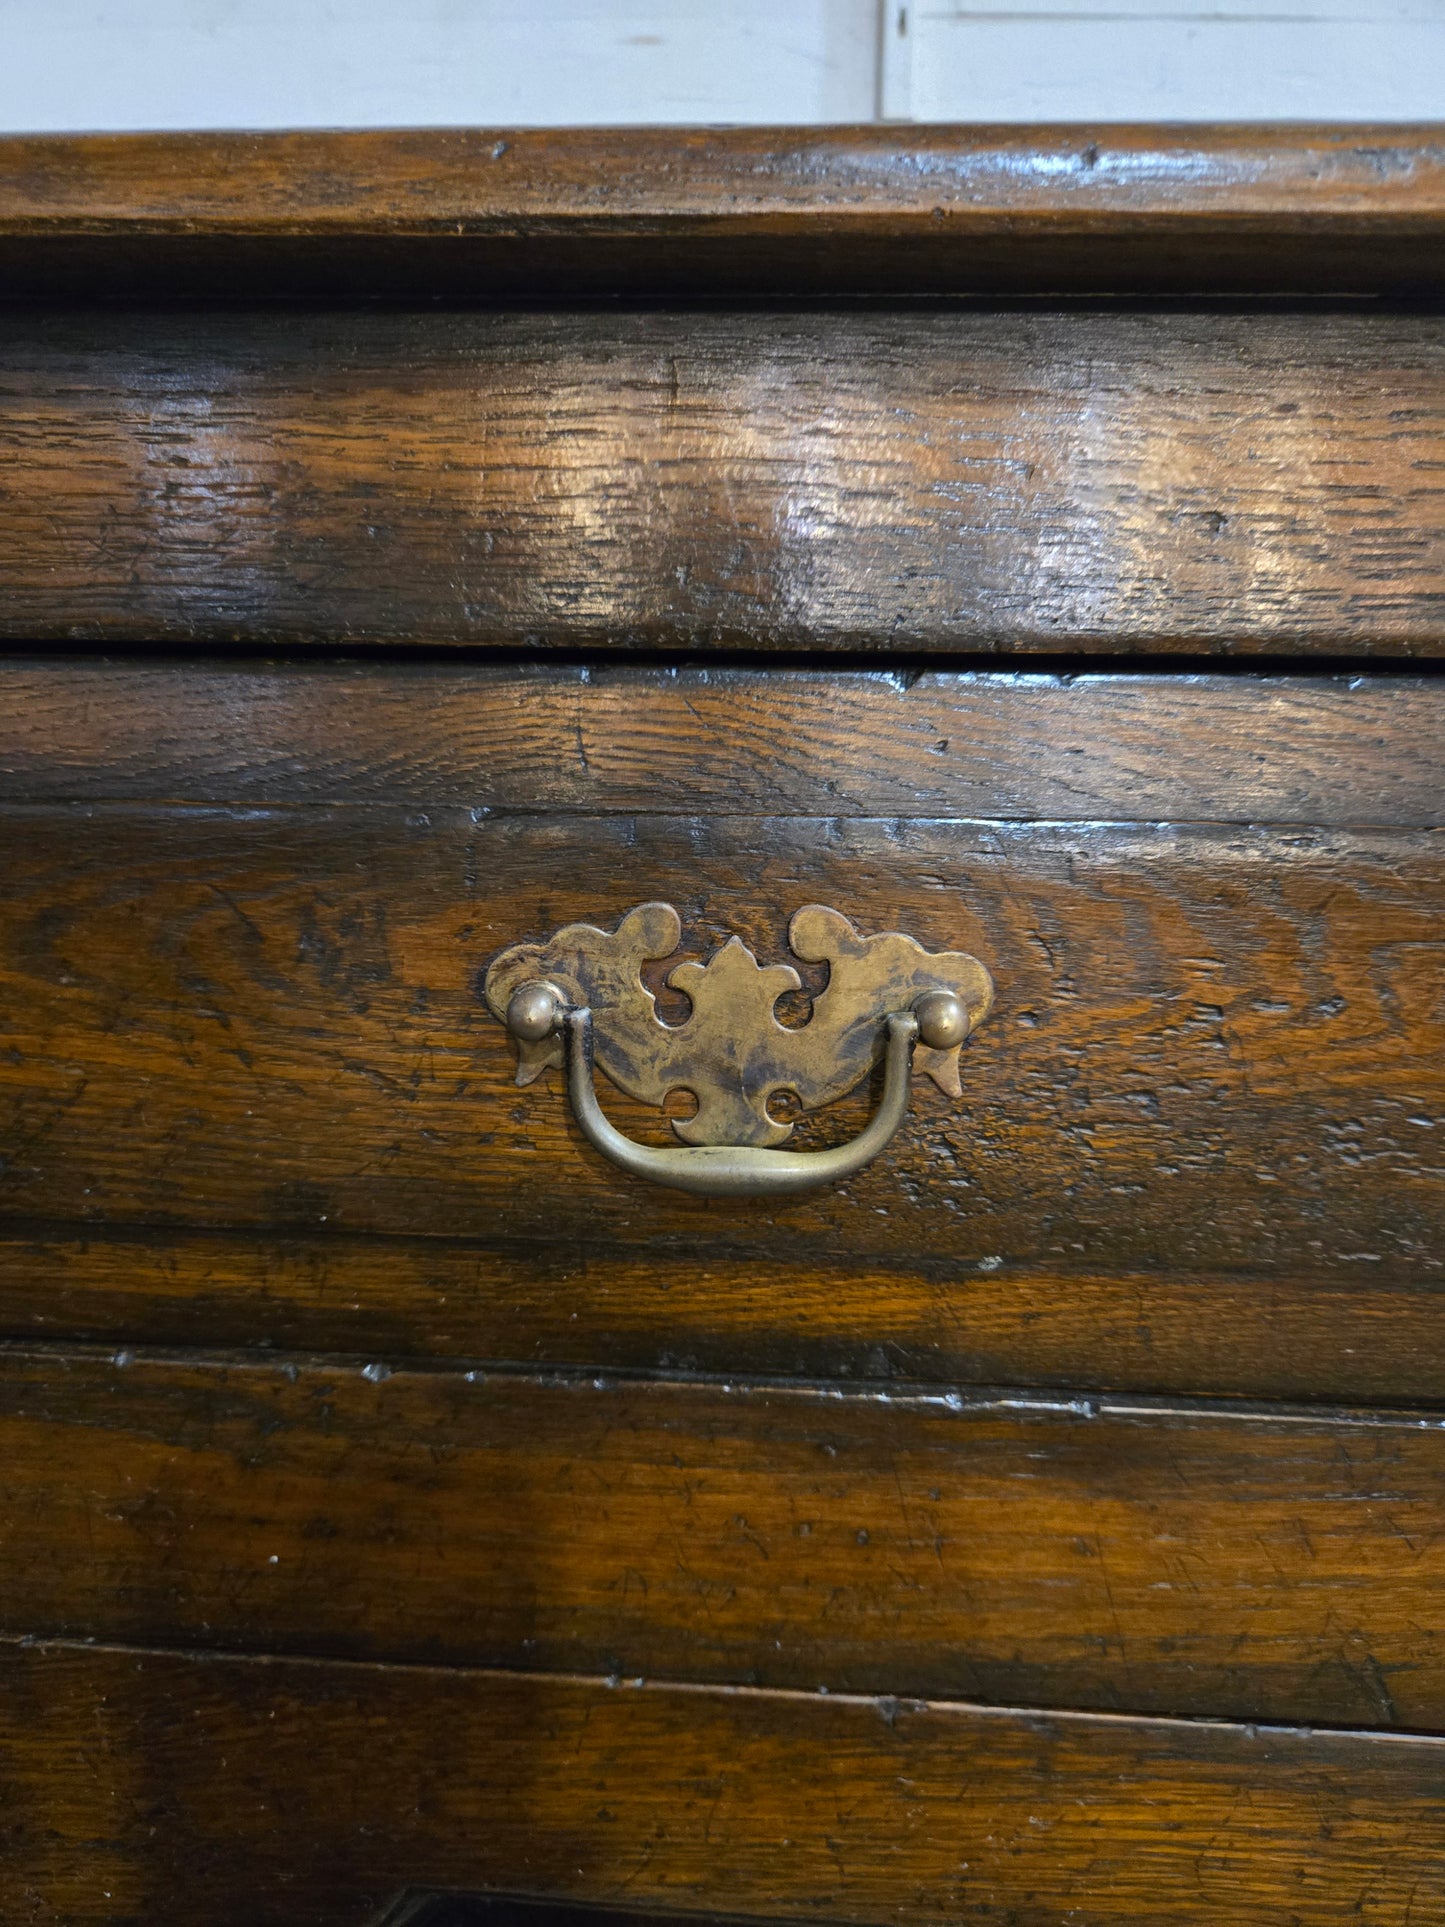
(1236, 748)
(1250, 1564)
(699, 1303)
(1213, 1048)
(506, 1910)
(917, 481)
(469, 212)
(153, 1790)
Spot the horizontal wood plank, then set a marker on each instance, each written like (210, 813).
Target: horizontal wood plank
(945, 480)
(486, 213)
(168, 1790)
(1211, 1561)
(1213, 1049)
(423, 1909)
(701, 1305)
(1319, 750)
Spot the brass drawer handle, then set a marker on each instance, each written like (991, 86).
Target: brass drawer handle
(578, 1002)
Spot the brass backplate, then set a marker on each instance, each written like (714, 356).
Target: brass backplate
(731, 1053)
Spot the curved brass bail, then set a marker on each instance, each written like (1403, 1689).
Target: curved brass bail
(739, 1171)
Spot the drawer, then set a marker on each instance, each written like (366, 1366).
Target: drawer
(1161, 1557)
(253, 1095)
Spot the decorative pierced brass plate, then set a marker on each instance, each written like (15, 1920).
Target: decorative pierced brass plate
(582, 992)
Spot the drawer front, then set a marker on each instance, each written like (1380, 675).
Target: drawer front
(253, 1095)
(1122, 1554)
(815, 1807)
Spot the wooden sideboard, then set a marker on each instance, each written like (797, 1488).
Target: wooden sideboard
(416, 545)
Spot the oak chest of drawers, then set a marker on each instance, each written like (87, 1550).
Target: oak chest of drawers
(462, 584)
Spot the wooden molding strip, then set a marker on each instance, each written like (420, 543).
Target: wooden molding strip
(1336, 751)
(1246, 209)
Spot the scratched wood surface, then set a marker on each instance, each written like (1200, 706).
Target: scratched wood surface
(166, 1790)
(1252, 748)
(486, 214)
(921, 480)
(1265, 1563)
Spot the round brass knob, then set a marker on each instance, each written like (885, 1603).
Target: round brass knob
(942, 1019)
(534, 1012)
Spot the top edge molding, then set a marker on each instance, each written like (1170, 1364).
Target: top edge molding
(488, 214)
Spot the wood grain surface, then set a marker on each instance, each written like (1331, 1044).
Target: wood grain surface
(699, 1304)
(1343, 751)
(478, 213)
(1209, 1560)
(926, 480)
(1214, 1048)
(159, 1790)
(416, 1909)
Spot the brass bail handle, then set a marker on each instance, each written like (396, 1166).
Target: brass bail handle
(579, 1003)
(737, 1170)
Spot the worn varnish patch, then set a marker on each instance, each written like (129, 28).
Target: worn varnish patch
(948, 480)
(1273, 1563)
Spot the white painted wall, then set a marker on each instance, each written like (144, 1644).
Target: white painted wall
(103, 64)
(99, 64)
(1164, 60)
